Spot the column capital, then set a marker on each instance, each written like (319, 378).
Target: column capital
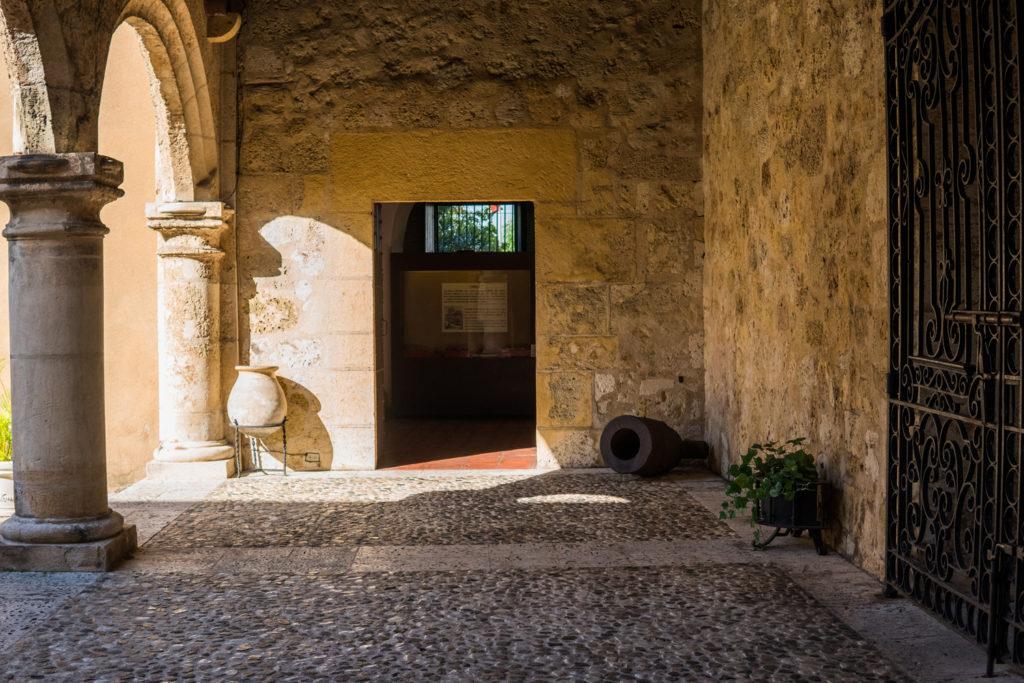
(189, 229)
(58, 195)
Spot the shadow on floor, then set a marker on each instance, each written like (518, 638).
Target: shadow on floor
(553, 507)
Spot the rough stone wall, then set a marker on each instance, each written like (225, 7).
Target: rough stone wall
(590, 110)
(796, 270)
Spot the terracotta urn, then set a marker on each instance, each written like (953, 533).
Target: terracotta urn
(256, 400)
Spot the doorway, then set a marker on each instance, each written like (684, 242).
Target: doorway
(455, 335)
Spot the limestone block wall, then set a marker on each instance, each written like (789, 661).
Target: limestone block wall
(590, 110)
(795, 286)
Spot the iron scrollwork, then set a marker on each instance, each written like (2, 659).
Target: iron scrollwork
(953, 110)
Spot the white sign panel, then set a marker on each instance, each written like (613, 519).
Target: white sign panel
(474, 307)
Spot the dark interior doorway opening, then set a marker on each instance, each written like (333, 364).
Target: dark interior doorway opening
(455, 335)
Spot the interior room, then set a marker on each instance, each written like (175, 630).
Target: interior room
(455, 335)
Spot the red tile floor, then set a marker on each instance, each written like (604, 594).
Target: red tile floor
(447, 444)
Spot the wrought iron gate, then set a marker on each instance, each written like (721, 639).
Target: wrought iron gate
(954, 533)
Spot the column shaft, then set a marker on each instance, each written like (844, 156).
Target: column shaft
(56, 327)
(191, 411)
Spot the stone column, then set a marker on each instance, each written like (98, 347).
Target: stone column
(62, 520)
(191, 410)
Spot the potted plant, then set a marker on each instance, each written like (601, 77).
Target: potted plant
(780, 482)
(6, 472)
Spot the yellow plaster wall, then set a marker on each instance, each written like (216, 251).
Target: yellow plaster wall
(127, 133)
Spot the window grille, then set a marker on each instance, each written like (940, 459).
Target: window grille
(473, 227)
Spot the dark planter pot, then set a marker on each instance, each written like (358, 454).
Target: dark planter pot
(806, 512)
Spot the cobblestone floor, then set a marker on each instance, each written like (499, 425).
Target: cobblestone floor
(673, 623)
(565, 576)
(563, 508)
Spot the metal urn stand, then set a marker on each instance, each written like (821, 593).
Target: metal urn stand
(257, 447)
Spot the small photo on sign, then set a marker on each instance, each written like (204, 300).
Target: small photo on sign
(454, 319)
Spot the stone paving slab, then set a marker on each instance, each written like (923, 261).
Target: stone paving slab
(18, 618)
(28, 598)
(150, 518)
(339, 560)
(540, 556)
(281, 560)
(701, 622)
(470, 510)
(42, 586)
(163, 491)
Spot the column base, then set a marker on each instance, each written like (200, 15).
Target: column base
(190, 471)
(194, 451)
(58, 531)
(99, 556)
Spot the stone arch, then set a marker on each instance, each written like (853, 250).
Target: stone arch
(43, 78)
(56, 53)
(186, 139)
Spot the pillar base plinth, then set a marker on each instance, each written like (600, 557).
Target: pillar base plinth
(58, 531)
(194, 451)
(190, 471)
(99, 556)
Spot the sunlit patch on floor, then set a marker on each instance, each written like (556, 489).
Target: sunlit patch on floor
(569, 498)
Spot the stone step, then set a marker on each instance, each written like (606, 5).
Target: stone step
(184, 471)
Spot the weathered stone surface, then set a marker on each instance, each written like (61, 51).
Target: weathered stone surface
(795, 279)
(440, 165)
(577, 353)
(98, 556)
(653, 344)
(213, 470)
(567, 448)
(307, 306)
(55, 261)
(572, 309)
(346, 105)
(189, 338)
(564, 399)
(583, 249)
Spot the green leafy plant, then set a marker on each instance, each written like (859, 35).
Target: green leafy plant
(767, 471)
(475, 227)
(6, 444)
